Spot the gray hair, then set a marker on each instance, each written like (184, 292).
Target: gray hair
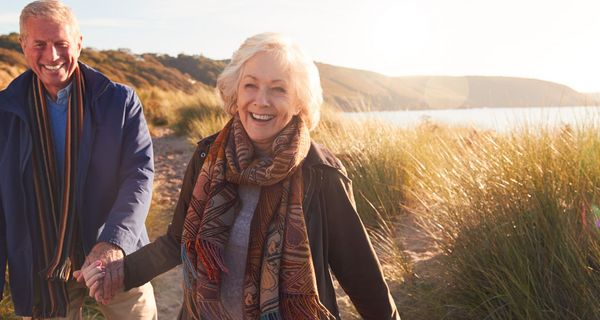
(53, 10)
(304, 74)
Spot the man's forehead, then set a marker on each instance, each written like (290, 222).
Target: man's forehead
(45, 27)
(48, 21)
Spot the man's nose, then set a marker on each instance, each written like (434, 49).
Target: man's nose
(52, 53)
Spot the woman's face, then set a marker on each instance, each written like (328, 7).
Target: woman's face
(265, 101)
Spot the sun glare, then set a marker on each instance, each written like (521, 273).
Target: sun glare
(399, 32)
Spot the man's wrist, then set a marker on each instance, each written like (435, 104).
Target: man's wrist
(109, 245)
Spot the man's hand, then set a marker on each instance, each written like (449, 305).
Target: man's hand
(112, 259)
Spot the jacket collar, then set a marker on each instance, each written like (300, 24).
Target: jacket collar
(95, 81)
(321, 156)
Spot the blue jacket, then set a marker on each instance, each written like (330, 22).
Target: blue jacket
(114, 183)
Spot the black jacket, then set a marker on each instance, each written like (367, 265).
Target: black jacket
(337, 237)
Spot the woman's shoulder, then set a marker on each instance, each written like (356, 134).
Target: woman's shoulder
(201, 151)
(207, 141)
(320, 156)
(204, 144)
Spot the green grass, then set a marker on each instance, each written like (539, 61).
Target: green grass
(513, 214)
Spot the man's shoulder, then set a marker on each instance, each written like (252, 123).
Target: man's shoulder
(100, 83)
(15, 92)
(17, 86)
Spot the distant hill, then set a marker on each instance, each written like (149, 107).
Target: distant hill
(348, 89)
(594, 96)
(358, 89)
(199, 68)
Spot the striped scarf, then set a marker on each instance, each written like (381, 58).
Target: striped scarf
(54, 200)
(279, 282)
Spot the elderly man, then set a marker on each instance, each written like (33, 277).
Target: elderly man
(76, 173)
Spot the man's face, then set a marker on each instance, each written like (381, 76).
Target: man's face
(51, 50)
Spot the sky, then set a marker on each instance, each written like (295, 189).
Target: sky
(554, 40)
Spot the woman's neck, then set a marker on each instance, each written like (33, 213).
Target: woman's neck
(263, 149)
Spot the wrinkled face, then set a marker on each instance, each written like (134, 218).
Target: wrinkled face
(51, 50)
(265, 101)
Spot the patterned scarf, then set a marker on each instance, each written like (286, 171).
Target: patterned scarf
(280, 280)
(54, 200)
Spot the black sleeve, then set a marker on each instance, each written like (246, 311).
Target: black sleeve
(164, 253)
(351, 255)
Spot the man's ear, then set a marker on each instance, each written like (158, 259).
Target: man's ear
(79, 43)
(22, 42)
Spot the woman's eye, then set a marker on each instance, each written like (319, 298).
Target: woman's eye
(280, 89)
(249, 85)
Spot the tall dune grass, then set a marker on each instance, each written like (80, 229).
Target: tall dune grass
(178, 109)
(373, 154)
(515, 216)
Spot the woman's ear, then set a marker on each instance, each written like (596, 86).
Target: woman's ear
(298, 109)
(234, 108)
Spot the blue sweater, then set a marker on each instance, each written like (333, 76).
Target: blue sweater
(57, 110)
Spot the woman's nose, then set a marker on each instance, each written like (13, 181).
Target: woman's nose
(262, 97)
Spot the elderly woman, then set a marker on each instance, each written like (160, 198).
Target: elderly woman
(264, 213)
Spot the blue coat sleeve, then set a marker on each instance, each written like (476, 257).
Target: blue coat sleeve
(126, 219)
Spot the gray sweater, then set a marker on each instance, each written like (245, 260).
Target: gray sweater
(236, 251)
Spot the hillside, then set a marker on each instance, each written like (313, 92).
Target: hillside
(199, 68)
(351, 88)
(348, 89)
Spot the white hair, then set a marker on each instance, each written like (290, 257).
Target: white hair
(53, 10)
(304, 74)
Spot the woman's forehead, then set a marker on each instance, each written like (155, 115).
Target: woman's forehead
(266, 66)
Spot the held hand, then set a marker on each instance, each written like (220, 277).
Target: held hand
(93, 275)
(112, 260)
(113, 279)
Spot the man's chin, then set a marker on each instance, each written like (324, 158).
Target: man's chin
(55, 76)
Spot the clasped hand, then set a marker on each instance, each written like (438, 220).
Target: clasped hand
(102, 272)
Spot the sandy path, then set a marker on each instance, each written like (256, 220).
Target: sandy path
(171, 156)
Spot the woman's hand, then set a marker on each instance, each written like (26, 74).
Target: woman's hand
(103, 281)
(93, 275)
(113, 281)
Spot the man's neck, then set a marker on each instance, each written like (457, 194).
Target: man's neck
(55, 94)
